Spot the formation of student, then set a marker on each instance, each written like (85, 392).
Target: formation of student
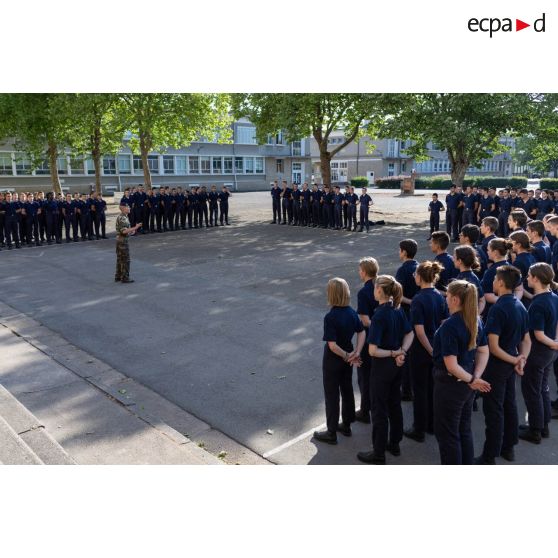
(320, 206)
(469, 206)
(461, 327)
(33, 219)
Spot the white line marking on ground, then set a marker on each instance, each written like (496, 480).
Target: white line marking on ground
(292, 442)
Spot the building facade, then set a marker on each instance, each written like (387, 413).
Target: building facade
(242, 165)
(382, 158)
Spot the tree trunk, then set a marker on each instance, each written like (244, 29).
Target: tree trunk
(325, 166)
(96, 154)
(458, 171)
(144, 148)
(52, 153)
(555, 169)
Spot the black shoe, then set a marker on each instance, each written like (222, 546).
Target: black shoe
(127, 280)
(545, 432)
(394, 449)
(362, 416)
(117, 279)
(481, 460)
(414, 435)
(344, 429)
(326, 436)
(508, 455)
(406, 396)
(554, 413)
(106, 237)
(554, 404)
(58, 242)
(529, 434)
(360, 230)
(371, 457)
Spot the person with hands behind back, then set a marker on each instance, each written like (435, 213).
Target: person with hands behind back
(389, 338)
(340, 324)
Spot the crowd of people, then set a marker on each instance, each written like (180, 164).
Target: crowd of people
(446, 332)
(34, 219)
(320, 206)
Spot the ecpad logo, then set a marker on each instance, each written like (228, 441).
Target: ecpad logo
(494, 24)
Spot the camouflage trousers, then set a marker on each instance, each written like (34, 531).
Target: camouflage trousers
(122, 260)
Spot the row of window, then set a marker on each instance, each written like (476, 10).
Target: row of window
(443, 165)
(133, 164)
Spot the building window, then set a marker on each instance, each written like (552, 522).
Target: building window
(205, 165)
(403, 166)
(297, 148)
(391, 169)
(109, 165)
(280, 167)
(227, 165)
(249, 165)
(246, 134)
(138, 165)
(339, 171)
(181, 165)
(89, 166)
(238, 165)
(217, 165)
(23, 165)
(42, 168)
(279, 138)
(76, 165)
(62, 165)
(194, 165)
(124, 164)
(259, 165)
(153, 163)
(6, 163)
(168, 164)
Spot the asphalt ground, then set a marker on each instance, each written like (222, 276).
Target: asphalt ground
(227, 322)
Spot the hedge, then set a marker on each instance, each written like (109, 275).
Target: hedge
(444, 182)
(359, 182)
(549, 184)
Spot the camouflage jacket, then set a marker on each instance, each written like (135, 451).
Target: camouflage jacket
(122, 223)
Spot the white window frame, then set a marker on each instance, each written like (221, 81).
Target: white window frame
(243, 142)
(191, 169)
(215, 160)
(166, 159)
(205, 159)
(124, 156)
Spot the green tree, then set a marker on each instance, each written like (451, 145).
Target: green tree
(301, 115)
(39, 123)
(161, 120)
(467, 126)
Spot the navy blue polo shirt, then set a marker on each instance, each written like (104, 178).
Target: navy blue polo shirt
(287, 193)
(154, 202)
(448, 273)
(486, 204)
(452, 201)
(485, 242)
(429, 309)
(487, 282)
(340, 324)
(405, 276)
(545, 206)
(31, 208)
(555, 256)
(297, 195)
(338, 199)
(51, 207)
(126, 201)
(505, 204)
(214, 196)
(435, 207)
(543, 314)
(316, 196)
(496, 211)
(541, 252)
(483, 260)
(203, 197)
(529, 206)
(68, 207)
(224, 198)
(523, 262)
(388, 327)
(470, 202)
(275, 193)
(452, 339)
(367, 304)
(305, 194)
(470, 277)
(11, 208)
(365, 200)
(517, 202)
(508, 319)
(351, 198)
(551, 239)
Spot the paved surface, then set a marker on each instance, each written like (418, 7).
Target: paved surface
(225, 323)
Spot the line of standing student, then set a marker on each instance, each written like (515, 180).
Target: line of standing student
(452, 352)
(32, 218)
(320, 206)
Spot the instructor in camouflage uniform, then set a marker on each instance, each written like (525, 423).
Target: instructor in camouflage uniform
(123, 231)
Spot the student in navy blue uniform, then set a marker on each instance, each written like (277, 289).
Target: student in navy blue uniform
(389, 339)
(68, 215)
(517, 221)
(52, 218)
(31, 208)
(338, 199)
(453, 199)
(488, 228)
(486, 205)
(12, 209)
(469, 236)
(365, 202)
(523, 260)
(540, 250)
(286, 206)
(154, 215)
(195, 202)
(434, 208)
(507, 329)
(224, 196)
(95, 217)
(498, 252)
(75, 217)
(466, 262)
(505, 210)
(469, 207)
(173, 217)
(42, 218)
(460, 207)
(368, 271)
(543, 320)
(305, 213)
(496, 211)
(213, 206)
(439, 244)
(327, 207)
(2, 220)
(139, 200)
(428, 311)
(340, 325)
(276, 202)
(296, 202)
(316, 199)
(460, 354)
(545, 205)
(22, 218)
(204, 215)
(529, 204)
(352, 201)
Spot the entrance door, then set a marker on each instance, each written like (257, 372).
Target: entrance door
(297, 173)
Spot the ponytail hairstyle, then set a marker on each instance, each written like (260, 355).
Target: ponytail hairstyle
(429, 271)
(500, 245)
(522, 239)
(544, 273)
(467, 294)
(391, 288)
(468, 256)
